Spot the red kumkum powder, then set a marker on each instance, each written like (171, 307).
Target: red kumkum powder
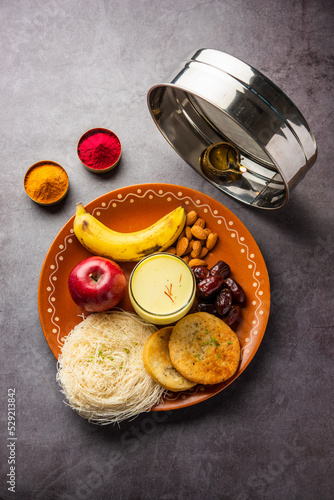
(99, 150)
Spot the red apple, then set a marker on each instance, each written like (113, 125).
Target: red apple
(97, 284)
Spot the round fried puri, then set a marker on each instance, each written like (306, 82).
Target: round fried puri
(204, 349)
(158, 364)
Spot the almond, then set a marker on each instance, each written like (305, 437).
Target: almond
(207, 231)
(188, 233)
(204, 253)
(198, 232)
(189, 248)
(181, 246)
(191, 218)
(182, 234)
(171, 250)
(197, 247)
(186, 258)
(211, 240)
(200, 222)
(197, 262)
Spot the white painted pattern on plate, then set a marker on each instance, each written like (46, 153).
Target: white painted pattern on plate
(169, 196)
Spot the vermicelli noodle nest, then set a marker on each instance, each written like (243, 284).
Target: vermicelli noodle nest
(101, 370)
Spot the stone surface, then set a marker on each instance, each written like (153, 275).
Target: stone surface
(69, 66)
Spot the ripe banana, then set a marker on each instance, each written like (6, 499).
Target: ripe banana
(100, 240)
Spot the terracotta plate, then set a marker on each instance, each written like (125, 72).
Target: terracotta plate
(135, 207)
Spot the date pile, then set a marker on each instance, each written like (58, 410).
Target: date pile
(218, 293)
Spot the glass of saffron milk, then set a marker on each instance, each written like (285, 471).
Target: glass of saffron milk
(162, 288)
(99, 150)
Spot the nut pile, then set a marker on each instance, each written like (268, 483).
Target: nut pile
(195, 241)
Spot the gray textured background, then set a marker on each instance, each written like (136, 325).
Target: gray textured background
(69, 65)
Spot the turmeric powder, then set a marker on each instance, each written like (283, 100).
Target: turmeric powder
(46, 182)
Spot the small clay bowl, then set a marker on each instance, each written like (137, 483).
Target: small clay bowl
(94, 152)
(47, 185)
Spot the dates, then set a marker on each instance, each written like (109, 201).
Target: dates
(236, 290)
(200, 273)
(210, 286)
(207, 307)
(220, 269)
(218, 293)
(223, 301)
(233, 316)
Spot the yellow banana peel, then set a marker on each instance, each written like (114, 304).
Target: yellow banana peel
(133, 246)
